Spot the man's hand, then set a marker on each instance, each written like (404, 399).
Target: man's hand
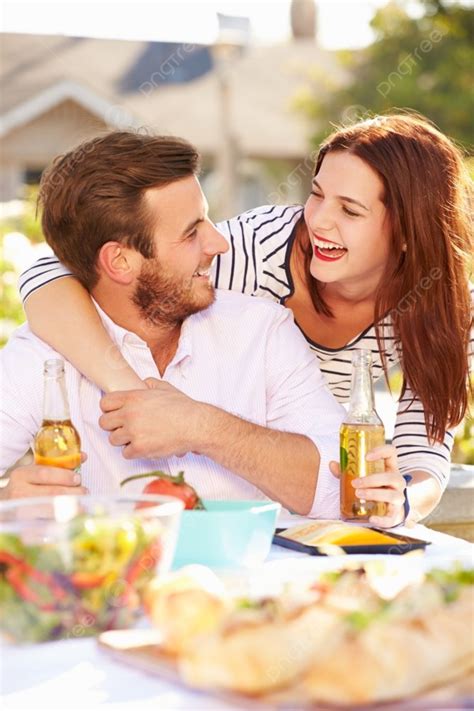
(38, 480)
(164, 422)
(154, 423)
(389, 487)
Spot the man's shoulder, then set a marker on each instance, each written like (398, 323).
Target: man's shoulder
(233, 312)
(23, 344)
(22, 361)
(235, 304)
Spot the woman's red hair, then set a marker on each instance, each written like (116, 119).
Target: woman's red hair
(425, 288)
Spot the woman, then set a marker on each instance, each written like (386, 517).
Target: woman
(377, 259)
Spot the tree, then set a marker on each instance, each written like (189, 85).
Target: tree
(422, 63)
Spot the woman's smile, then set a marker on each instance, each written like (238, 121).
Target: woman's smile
(327, 250)
(347, 203)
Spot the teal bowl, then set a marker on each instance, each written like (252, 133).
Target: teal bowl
(227, 534)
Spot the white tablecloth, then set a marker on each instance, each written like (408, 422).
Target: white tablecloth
(75, 674)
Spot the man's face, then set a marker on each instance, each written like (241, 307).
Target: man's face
(176, 282)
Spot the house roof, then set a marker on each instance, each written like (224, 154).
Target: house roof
(56, 94)
(172, 88)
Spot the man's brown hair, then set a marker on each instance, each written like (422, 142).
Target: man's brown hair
(95, 194)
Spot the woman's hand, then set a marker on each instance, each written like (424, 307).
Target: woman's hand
(389, 487)
(34, 480)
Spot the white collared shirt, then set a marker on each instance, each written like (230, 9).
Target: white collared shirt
(243, 355)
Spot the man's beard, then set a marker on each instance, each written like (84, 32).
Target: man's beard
(166, 299)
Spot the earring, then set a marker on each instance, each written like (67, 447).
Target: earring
(404, 247)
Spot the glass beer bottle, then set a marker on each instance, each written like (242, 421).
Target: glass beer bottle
(57, 444)
(361, 431)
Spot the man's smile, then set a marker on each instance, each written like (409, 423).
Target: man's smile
(202, 273)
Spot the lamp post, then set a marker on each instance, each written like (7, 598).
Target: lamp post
(226, 49)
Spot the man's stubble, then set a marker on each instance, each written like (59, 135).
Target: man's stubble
(164, 299)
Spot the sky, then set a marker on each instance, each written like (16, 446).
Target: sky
(342, 23)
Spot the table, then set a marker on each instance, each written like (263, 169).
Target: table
(75, 674)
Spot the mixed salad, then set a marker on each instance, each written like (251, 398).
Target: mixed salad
(91, 579)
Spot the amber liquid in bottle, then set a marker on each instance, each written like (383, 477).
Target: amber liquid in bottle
(361, 431)
(57, 443)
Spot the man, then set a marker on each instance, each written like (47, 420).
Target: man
(239, 405)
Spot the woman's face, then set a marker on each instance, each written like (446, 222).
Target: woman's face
(345, 209)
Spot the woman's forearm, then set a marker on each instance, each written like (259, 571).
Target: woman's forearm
(62, 314)
(424, 494)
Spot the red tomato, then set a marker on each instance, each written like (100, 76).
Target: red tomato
(168, 488)
(167, 485)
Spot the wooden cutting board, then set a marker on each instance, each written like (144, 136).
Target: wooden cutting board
(141, 649)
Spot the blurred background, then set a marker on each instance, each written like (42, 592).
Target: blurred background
(254, 85)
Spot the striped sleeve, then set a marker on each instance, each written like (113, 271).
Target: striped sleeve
(410, 438)
(258, 242)
(43, 271)
(414, 451)
(237, 270)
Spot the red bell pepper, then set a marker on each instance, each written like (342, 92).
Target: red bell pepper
(39, 576)
(15, 578)
(87, 580)
(145, 562)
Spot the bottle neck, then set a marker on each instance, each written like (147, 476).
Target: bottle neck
(55, 406)
(362, 403)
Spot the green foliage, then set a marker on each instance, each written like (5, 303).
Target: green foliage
(463, 450)
(422, 63)
(11, 309)
(470, 170)
(27, 223)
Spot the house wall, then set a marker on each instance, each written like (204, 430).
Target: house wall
(11, 181)
(259, 182)
(33, 145)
